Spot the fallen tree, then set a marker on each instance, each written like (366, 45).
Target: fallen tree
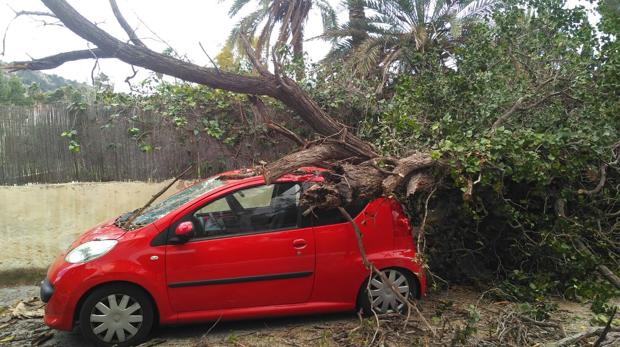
(518, 146)
(356, 158)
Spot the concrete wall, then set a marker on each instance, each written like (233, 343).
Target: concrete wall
(37, 222)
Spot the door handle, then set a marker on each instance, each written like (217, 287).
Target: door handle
(300, 243)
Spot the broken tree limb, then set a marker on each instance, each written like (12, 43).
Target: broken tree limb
(56, 60)
(601, 338)
(600, 185)
(279, 87)
(373, 269)
(135, 215)
(419, 182)
(307, 157)
(358, 236)
(261, 115)
(337, 148)
(611, 277)
(573, 339)
(404, 168)
(123, 23)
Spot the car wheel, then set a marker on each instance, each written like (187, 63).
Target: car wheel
(116, 315)
(377, 296)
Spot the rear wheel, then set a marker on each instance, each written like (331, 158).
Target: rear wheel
(116, 315)
(377, 296)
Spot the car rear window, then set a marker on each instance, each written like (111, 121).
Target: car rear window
(320, 217)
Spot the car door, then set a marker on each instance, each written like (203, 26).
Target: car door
(247, 250)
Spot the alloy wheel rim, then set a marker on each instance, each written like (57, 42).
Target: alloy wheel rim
(116, 318)
(382, 298)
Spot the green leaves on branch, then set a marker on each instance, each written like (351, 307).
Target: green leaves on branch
(74, 145)
(512, 190)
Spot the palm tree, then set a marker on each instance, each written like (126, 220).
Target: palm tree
(357, 22)
(399, 27)
(289, 15)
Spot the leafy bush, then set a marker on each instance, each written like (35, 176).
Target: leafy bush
(525, 114)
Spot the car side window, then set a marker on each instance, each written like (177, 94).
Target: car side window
(256, 209)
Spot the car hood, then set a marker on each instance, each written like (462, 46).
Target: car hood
(104, 231)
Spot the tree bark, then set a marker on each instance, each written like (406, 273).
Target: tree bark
(56, 60)
(357, 22)
(278, 87)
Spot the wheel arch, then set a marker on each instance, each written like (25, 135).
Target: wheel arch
(78, 306)
(364, 283)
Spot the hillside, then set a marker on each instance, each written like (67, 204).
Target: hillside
(47, 82)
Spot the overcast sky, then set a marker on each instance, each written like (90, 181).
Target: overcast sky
(181, 23)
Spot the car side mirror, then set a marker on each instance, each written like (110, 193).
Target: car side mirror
(183, 232)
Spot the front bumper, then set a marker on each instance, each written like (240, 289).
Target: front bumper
(46, 291)
(59, 306)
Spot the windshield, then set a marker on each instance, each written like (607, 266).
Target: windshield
(161, 209)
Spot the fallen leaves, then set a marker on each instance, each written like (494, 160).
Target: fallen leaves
(32, 308)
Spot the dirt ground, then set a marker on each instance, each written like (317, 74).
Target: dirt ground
(460, 316)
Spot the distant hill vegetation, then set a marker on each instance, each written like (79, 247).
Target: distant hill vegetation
(46, 82)
(33, 87)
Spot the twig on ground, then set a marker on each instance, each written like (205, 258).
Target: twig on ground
(607, 328)
(379, 273)
(211, 327)
(570, 340)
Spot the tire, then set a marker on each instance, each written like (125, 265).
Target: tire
(117, 315)
(385, 301)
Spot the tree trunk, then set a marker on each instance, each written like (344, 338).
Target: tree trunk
(298, 57)
(354, 172)
(357, 22)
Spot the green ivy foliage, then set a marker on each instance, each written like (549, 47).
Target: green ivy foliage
(531, 169)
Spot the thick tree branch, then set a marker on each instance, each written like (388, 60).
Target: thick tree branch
(57, 60)
(573, 339)
(404, 168)
(289, 92)
(261, 115)
(128, 29)
(600, 185)
(611, 277)
(601, 182)
(316, 156)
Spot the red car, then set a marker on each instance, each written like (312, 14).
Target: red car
(229, 248)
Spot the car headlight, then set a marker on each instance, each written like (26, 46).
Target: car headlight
(90, 250)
